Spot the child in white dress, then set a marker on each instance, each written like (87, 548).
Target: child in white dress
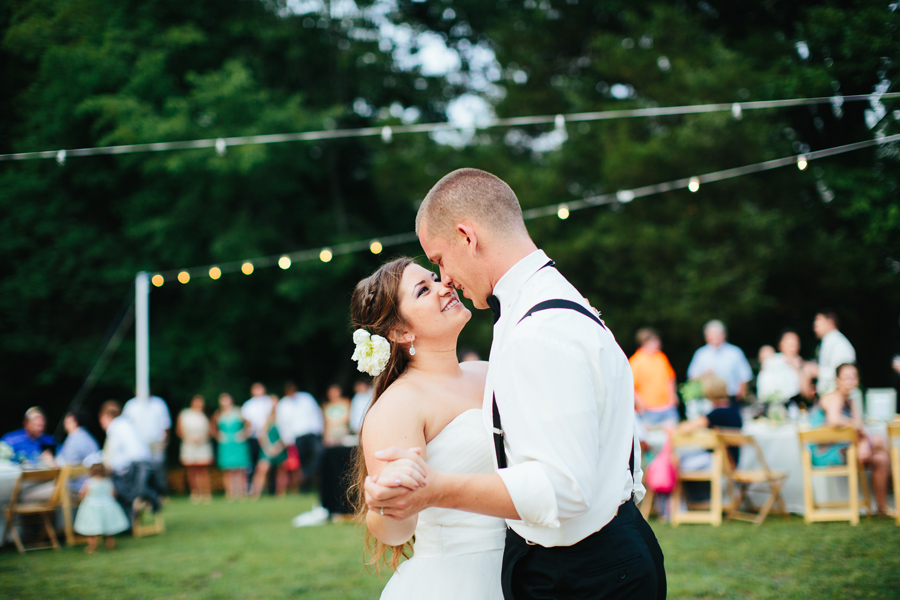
(99, 514)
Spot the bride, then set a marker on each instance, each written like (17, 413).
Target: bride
(407, 324)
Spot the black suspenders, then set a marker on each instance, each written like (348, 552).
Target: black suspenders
(499, 449)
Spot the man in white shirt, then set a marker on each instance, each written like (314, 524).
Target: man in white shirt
(834, 351)
(152, 421)
(129, 458)
(299, 417)
(565, 395)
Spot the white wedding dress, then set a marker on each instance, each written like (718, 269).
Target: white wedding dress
(456, 555)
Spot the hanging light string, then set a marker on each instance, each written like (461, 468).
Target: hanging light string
(562, 210)
(387, 132)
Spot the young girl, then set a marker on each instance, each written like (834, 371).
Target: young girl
(99, 514)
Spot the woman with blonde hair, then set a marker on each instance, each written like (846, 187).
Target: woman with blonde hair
(406, 327)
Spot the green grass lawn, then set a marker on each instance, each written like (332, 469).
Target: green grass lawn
(250, 550)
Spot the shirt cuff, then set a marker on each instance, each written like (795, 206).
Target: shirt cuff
(532, 494)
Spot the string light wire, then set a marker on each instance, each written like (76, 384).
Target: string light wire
(387, 133)
(558, 209)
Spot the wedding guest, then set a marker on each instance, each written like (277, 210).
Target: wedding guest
(192, 428)
(233, 455)
(655, 398)
(31, 445)
(835, 349)
(308, 429)
(287, 421)
(337, 416)
(836, 408)
(129, 458)
(782, 376)
(272, 452)
(359, 404)
(79, 444)
(256, 410)
(720, 358)
(99, 515)
(724, 414)
(152, 420)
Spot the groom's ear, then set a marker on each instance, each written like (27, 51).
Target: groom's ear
(468, 236)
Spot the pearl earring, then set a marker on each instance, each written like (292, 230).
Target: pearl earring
(412, 349)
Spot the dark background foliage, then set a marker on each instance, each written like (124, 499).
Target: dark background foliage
(762, 252)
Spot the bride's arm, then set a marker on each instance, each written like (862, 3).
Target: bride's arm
(395, 420)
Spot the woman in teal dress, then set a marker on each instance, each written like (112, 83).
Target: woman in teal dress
(836, 409)
(229, 429)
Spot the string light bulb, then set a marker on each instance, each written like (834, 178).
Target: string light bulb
(325, 255)
(694, 184)
(247, 268)
(801, 163)
(375, 247)
(284, 262)
(158, 280)
(624, 196)
(563, 212)
(215, 273)
(184, 277)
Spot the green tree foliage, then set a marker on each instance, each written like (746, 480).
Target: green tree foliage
(761, 252)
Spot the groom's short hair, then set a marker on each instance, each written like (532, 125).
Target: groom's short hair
(471, 194)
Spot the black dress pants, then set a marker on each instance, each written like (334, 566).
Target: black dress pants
(622, 560)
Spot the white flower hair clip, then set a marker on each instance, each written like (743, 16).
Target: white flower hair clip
(372, 352)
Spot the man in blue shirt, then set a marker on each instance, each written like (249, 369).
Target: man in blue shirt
(721, 358)
(30, 444)
(79, 444)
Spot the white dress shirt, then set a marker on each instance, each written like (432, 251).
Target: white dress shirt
(566, 398)
(309, 415)
(257, 410)
(835, 350)
(124, 445)
(152, 420)
(298, 415)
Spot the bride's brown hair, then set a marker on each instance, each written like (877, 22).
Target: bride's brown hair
(375, 307)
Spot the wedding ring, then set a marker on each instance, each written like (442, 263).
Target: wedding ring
(382, 510)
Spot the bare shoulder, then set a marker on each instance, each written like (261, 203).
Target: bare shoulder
(399, 407)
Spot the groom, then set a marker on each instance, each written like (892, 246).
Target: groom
(568, 469)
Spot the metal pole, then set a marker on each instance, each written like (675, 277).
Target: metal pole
(142, 335)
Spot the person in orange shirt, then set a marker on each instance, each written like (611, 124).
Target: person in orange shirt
(655, 398)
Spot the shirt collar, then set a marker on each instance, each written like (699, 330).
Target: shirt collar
(512, 281)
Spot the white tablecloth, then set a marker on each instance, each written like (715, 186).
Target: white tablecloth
(8, 474)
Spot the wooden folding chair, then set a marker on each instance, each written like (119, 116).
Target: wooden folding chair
(46, 509)
(712, 513)
(145, 522)
(739, 480)
(893, 437)
(832, 510)
(69, 501)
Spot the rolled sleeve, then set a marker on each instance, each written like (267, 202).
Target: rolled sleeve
(532, 494)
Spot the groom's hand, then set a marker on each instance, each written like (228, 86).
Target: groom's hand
(388, 494)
